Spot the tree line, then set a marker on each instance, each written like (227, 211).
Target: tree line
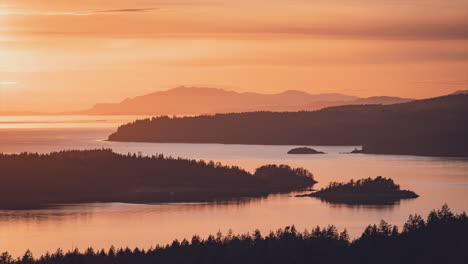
(441, 238)
(102, 175)
(431, 127)
(378, 184)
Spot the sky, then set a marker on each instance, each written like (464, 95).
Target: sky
(61, 55)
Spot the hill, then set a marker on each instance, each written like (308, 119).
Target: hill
(100, 175)
(199, 100)
(432, 127)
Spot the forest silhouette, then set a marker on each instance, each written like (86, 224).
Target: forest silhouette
(430, 127)
(377, 191)
(101, 175)
(441, 238)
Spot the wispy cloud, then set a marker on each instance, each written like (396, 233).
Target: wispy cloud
(390, 30)
(80, 13)
(125, 10)
(446, 82)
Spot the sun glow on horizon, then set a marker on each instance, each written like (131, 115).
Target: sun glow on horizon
(7, 83)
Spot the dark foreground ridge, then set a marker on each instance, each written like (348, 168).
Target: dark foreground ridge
(304, 150)
(100, 175)
(364, 191)
(431, 127)
(442, 238)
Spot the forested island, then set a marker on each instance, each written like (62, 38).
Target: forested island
(304, 150)
(430, 127)
(364, 191)
(75, 176)
(441, 238)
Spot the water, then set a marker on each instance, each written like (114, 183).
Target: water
(100, 225)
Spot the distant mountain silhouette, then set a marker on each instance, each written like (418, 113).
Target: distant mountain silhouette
(377, 100)
(432, 127)
(195, 101)
(384, 100)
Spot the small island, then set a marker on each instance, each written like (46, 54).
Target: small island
(100, 175)
(378, 191)
(304, 150)
(357, 151)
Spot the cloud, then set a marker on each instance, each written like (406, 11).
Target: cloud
(396, 30)
(125, 10)
(223, 22)
(447, 82)
(187, 29)
(80, 13)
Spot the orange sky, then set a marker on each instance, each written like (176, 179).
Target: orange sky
(65, 55)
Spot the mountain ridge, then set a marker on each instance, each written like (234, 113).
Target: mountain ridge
(190, 100)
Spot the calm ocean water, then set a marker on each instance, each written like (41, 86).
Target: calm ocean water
(100, 225)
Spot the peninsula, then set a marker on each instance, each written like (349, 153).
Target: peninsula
(76, 176)
(430, 127)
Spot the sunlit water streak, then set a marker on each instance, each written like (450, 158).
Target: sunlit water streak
(66, 121)
(437, 180)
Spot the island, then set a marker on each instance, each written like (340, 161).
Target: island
(304, 150)
(356, 151)
(100, 175)
(368, 191)
(430, 127)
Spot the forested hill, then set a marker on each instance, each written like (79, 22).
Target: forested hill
(75, 176)
(435, 127)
